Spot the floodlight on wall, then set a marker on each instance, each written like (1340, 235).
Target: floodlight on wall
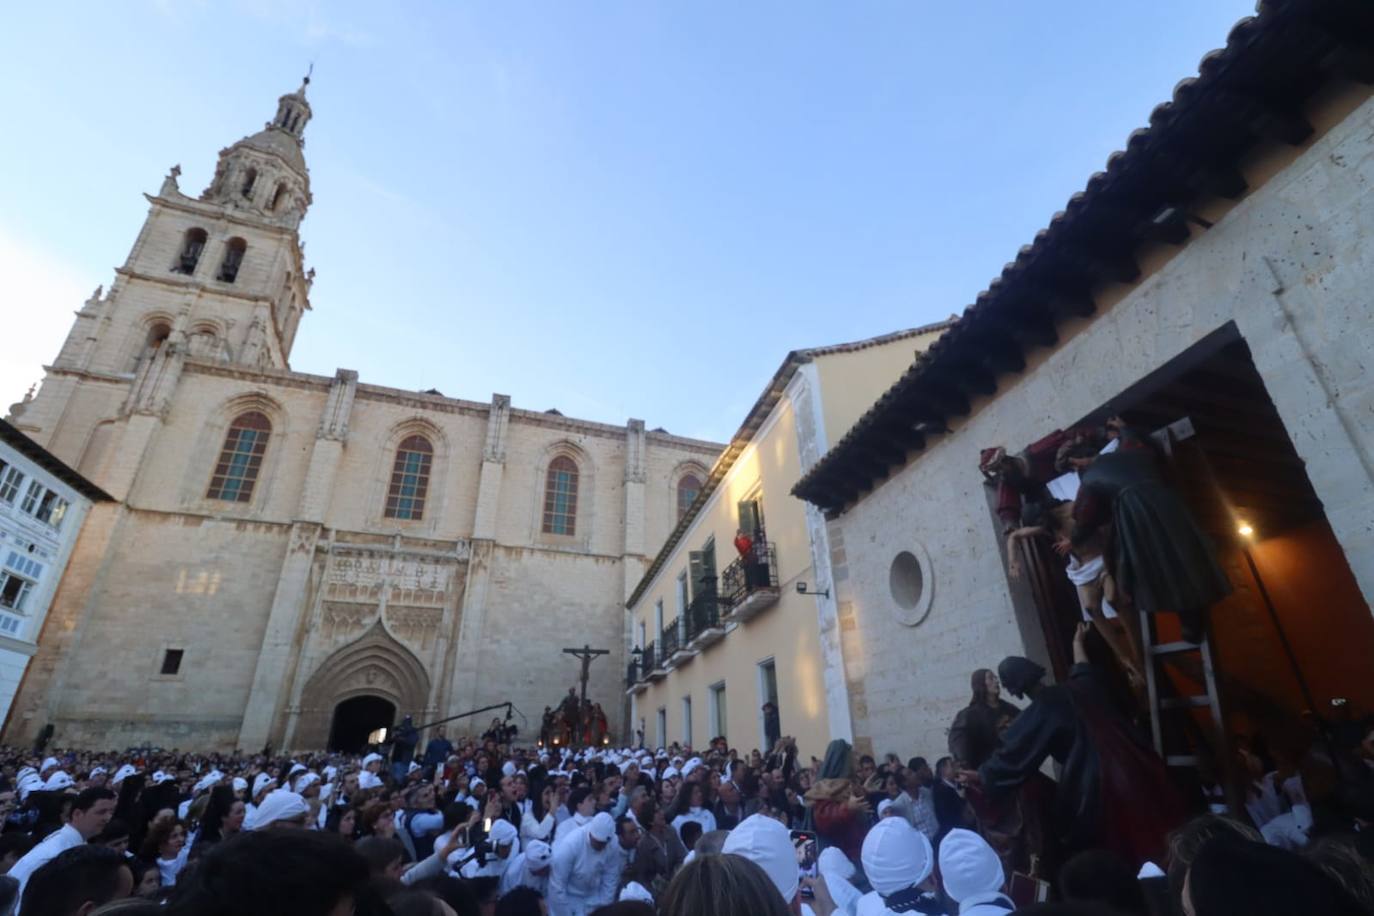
(804, 589)
(1244, 530)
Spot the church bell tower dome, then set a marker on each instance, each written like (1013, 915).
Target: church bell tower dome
(265, 173)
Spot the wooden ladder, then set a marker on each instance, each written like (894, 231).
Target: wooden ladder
(1155, 656)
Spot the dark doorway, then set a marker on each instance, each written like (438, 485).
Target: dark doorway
(355, 719)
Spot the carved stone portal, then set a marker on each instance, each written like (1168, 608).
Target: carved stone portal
(375, 665)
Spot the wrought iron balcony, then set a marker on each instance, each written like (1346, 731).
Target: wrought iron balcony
(653, 664)
(646, 664)
(750, 584)
(704, 625)
(632, 681)
(675, 648)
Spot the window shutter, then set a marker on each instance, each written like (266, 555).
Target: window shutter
(696, 567)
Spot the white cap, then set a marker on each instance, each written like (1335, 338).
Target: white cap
(413, 767)
(279, 805)
(97, 771)
(968, 865)
(372, 758)
(123, 773)
(159, 777)
(602, 827)
(260, 782)
(508, 768)
(895, 856)
(537, 853)
(689, 766)
(240, 784)
(29, 782)
(884, 805)
(502, 833)
(49, 763)
(59, 780)
(767, 844)
(635, 891)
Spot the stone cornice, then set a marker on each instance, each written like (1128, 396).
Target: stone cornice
(111, 377)
(218, 212)
(176, 282)
(283, 377)
(457, 549)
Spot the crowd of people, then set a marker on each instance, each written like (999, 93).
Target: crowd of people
(484, 827)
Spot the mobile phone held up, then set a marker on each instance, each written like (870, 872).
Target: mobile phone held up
(804, 842)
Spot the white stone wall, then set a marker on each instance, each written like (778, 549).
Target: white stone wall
(1290, 265)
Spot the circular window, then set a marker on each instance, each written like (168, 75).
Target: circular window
(910, 585)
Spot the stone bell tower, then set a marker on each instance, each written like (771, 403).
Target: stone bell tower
(217, 278)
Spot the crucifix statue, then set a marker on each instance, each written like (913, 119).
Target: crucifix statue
(586, 654)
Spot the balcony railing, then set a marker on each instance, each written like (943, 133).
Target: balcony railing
(704, 626)
(655, 667)
(669, 643)
(646, 662)
(631, 677)
(750, 583)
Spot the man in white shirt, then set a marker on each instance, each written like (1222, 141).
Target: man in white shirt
(586, 871)
(91, 812)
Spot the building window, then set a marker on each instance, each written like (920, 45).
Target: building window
(11, 478)
(405, 499)
(687, 489)
(661, 735)
(42, 503)
(241, 458)
(14, 591)
(171, 661)
(191, 247)
(771, 721)
(717, 710)
(658, 620)
(560, 497)
(51, 509)
(249, 179)
(682, 592)
(687, 721)
(233, 259)
(277, 195)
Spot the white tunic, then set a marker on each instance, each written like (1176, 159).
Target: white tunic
(582, 878)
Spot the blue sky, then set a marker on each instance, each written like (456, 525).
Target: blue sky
(617, 209)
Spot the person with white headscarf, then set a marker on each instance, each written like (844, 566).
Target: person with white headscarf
(898, 860)
(766, 842)
(834, 866)
(586, 871)
(504, 840)
(281, 808)
(972, 874)
(529, 868)
(262, 784)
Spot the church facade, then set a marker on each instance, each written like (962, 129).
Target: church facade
(290, 558)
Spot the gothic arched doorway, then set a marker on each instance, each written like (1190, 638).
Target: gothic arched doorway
(376, 666)
(356, 718)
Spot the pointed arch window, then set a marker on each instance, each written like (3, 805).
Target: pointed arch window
(560, 497)
(191, 247)
(405, 498)
(241, 458)
(250, 178)
(687, 489)
(233, 259)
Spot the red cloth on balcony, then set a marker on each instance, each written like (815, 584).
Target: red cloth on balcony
(744, 543)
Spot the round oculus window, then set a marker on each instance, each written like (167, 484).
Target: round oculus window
(910, 585)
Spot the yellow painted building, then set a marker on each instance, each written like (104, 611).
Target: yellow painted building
(717, 627)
